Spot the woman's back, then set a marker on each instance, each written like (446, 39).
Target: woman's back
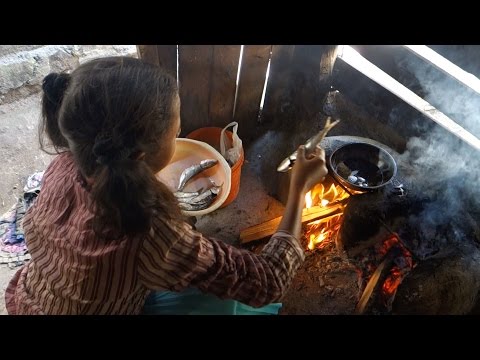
(72, 270)
(75, 271)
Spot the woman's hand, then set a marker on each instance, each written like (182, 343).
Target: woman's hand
(306, 173)
(308, 170)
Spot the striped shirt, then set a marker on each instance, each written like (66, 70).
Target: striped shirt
(72, 271)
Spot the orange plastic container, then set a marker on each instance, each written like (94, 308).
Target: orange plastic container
(211, 135)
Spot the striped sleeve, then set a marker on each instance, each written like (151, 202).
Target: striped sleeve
(175, 257)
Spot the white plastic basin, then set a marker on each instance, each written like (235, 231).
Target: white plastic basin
(189, 152)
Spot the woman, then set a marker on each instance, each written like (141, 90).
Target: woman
(104, 233)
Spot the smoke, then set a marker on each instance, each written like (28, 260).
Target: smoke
(454, 99)
(445, 169)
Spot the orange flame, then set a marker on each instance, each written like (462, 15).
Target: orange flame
(308, 200)
(325, 228)
(318, 195)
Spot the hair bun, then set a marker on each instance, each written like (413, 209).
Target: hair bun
(54, 85)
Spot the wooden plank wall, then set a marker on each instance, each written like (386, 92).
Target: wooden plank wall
(195, 75)
(250, 88)
(167, 57)
(278, 81)
(208, 73)
(224, 78)
(293, 105)
(163, 55)
(297, 85)
(148, 53)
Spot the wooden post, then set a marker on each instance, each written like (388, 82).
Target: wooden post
(195, 68)
(299, 80)
(224, 77)
(148, 53)
(162, 55)
(250, 89)
(277, 82)
(167, 58)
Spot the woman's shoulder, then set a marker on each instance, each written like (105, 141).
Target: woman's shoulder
(60, 166)
(62, 159)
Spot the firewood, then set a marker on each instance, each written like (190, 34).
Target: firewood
(367, 292)
(268, 228)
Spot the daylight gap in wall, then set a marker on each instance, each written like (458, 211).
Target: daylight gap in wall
(239, 70)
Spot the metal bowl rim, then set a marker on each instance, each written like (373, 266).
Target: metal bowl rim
(346, 183)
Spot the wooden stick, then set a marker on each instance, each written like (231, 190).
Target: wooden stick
(310, 146)
(367, 293)
(268, 228)
(317, 139)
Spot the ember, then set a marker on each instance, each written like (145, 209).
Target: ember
(402, 265)
(398, 263)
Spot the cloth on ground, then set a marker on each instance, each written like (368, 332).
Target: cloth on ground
(13, 250)
(34, 181)
(7, 225)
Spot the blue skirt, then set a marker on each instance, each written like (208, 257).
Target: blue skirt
(193, 302)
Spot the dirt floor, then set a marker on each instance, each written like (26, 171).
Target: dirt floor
(5, 275)
(19, 148)
(326, 284)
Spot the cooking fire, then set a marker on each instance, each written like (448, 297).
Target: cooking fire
(322, 230)
(387, 262)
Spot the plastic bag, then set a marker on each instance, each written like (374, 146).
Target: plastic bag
(231, 150)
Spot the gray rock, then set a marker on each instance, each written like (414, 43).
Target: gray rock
(13, 49)
(15, 75)
(62, 61)
(23, 67)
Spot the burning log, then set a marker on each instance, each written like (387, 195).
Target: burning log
(268, 228)
(367, 293)
(396, 263)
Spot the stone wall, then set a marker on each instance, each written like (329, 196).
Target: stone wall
(12, 49)
(23, 67)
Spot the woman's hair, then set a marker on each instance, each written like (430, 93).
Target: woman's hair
(108, 112)
(53, 86)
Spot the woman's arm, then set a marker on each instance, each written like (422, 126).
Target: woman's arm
(306, 173)
(178, 257)
(291, 220)
(175, 256)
